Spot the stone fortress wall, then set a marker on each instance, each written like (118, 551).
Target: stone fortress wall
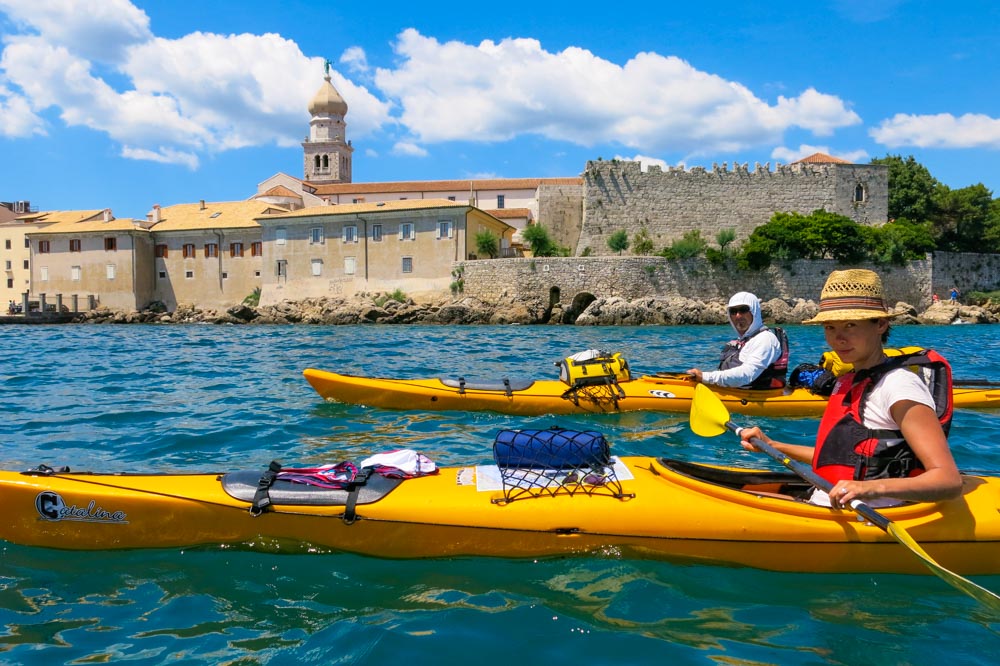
(668, 203)
(553, 280)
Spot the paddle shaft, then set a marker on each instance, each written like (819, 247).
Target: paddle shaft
(807, 473)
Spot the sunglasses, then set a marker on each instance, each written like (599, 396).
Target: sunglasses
(739, 309)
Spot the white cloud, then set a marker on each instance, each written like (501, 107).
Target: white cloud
(943, 130)
(163, 155)
(409, 149)
(93, 29)
(165, 100)
(17, 120)
(787, 155)
(355, 59)
(653, 102)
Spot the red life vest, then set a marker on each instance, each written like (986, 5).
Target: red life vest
(846, 449)
(773, 375)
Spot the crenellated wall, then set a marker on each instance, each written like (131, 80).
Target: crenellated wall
(669, 203)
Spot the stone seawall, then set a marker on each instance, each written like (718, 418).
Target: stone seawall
(554, 280)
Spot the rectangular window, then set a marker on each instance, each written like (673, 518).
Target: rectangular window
(111, 244)
(282, 268)
(236, 249)
(500, 201)
(7, 243)
(74, 244)
(188, 251)
(74, 273)
(407, 264)
(316, 236)
(451, 198)
(444, 229)
(211, 249)
(317, 267)
(10, 283)
(406, 231)
(358, 200)
(256, 249)
(256, 274)
(350, 234)
(25, 264)
(161, 251)
(350, 265)
(27, 243)
(280, 236)
(44, 273)
(110, 271)
(43, 247)
(189, 275)
(225, 275)
(163, 275)
(9, 267)
(377, 233)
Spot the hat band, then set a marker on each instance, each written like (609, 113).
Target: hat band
(852, 303)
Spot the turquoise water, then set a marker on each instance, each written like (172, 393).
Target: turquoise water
(204, 398)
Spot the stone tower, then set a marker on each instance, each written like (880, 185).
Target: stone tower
(326, 151)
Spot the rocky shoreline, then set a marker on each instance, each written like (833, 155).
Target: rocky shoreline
(611, 311)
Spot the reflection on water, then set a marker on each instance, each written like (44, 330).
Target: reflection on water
(197, 398)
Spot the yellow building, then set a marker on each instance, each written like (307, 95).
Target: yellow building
(98, 260)
(350, 248)
(207, 254)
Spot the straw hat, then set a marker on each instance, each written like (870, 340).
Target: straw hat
(851, 295)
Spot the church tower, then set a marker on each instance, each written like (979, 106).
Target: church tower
(326, 151)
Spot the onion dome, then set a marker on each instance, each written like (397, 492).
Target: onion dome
(327, 101)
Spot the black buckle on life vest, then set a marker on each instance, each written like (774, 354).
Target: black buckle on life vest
(261, 498)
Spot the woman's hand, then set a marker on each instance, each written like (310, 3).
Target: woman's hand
(746, 434)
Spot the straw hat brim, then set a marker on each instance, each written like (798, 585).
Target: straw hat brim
(852, 315)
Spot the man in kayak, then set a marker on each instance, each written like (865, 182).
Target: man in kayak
(757, 358)
(883, 434)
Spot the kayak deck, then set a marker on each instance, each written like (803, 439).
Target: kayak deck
(669, 510)
(666, 393)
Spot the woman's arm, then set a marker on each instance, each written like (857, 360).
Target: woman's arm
(796, 451)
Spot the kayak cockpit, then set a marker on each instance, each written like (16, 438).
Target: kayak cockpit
(785, 484)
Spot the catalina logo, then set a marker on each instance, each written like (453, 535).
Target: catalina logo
(657, 393)
(51, 506)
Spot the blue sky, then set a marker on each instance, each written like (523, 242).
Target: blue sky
(124, 104)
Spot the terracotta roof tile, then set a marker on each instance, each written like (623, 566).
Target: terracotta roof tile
(213, 215)
(443, 185)
(361, 208)
(821, 158)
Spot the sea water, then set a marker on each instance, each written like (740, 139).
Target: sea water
(206, 398)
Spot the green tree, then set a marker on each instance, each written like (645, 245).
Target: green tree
(538, 238)
(790, 236)
(487, 244)
(900, 241)
(911, 188)
(991, 235)
(690, 245)
(642, 244)
(961, 217)
(618, 241)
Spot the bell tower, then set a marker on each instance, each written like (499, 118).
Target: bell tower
(326, 151)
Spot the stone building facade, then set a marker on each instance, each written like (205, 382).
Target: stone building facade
(618, 195)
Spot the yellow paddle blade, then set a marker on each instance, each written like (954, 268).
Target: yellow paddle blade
(984, 596)
(708, 416)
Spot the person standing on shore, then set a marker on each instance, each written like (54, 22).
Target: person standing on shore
(757, 358)
(883, 437)
(954, 294)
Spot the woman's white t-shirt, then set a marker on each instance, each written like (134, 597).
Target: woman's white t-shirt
(895, 385)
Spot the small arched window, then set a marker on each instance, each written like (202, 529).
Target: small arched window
(317, 161)
(859, 193)
(326, 161)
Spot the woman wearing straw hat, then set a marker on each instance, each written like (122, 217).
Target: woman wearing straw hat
(882, 438)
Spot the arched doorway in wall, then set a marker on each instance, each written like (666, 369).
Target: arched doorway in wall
(580, 303)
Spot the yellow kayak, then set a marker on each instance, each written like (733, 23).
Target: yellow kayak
(668, 392)
(648, 507)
